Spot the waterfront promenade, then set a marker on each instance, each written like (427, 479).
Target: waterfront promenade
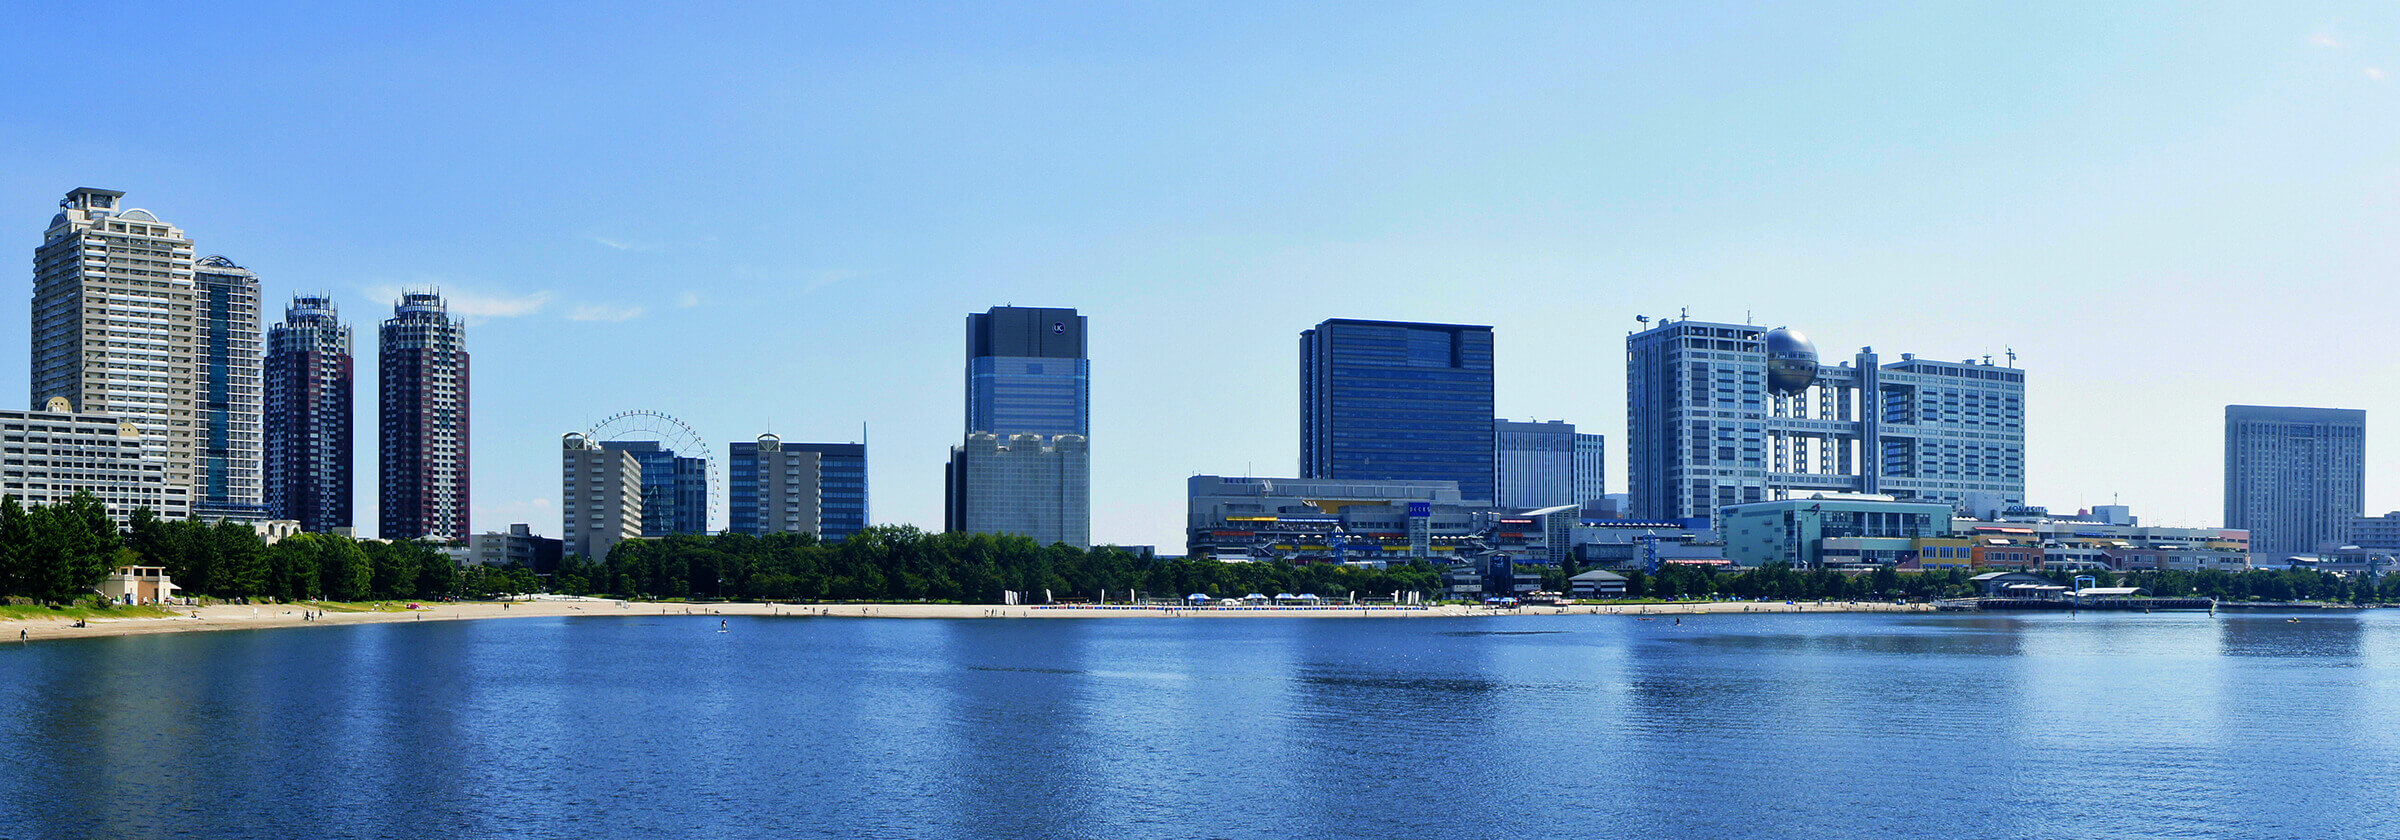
(264, 616)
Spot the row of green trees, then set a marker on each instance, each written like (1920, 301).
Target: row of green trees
(57, 552)
(60, 552)
(904, 563)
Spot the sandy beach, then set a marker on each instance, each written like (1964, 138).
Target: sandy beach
(241, 617)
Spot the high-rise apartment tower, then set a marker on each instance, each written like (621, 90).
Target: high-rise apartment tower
(114, 321)
(228, 475)
(309, 406)
(422, 357)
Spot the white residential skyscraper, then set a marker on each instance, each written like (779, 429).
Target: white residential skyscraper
(114, 321)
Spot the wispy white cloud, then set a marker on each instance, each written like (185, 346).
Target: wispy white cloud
(603, 312)
(469, 304)
(2326, 41)
(2376, 74)
(621, 246)
(474, 305)
(687, 300)
(826, 278)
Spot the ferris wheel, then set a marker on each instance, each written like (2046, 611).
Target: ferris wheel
(670, 433)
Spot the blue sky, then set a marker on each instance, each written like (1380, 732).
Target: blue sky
(775, 216)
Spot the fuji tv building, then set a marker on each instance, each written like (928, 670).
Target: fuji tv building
(1724, 414)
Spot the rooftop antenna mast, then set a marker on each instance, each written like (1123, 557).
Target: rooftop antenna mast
(2012, 355)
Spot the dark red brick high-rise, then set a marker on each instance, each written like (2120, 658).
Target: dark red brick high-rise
(423, 446)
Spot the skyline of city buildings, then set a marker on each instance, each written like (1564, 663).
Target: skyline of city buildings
(1395, 400)
(1722, 414)
(129, 325)
(309, 411)
(228, 478)
(1025, 464)
(2295, 478)
(422, 421)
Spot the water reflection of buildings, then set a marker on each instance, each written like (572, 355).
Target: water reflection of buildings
(2314, 634)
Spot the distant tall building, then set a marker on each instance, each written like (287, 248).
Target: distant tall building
(600, 496)
(2294, 477)
(831, 477)
(1536, 463)
(1027, 485)
(775, 488)
(1591, 471)
(1726, 414)
(423, 360)
(1028, 421)
(841, 488)
(309, 403)
(114, 321)
(228, 480)
(1385, 400)
(674, 488)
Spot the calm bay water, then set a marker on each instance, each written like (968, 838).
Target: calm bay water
(1825, 726)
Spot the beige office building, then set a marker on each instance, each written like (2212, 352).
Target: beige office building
(599, 497)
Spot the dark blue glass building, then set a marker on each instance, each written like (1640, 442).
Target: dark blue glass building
(1027, 372)
(674, 488)
(1384, 400)
(842, 492)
